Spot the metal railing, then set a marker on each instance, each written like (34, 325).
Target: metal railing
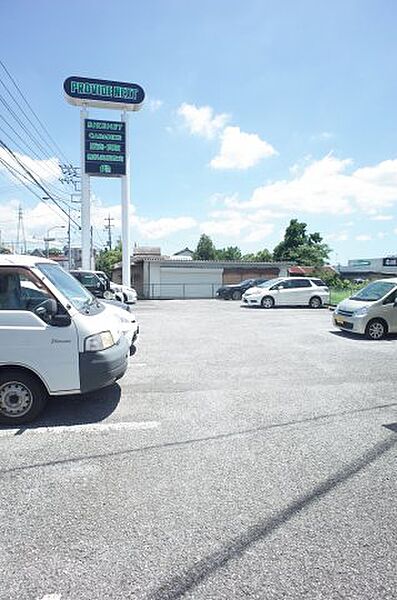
(339, 294)
(183, 291)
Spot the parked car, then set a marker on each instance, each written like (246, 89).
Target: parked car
(288, 291)
(56, 338)
(123, 293)
(371, 312)
(129, 324)
(98, 286)
(235, 291)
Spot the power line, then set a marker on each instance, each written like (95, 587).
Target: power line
(33, 178)
(34, 113)
(27, 183)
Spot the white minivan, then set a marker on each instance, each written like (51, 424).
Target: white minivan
(371, 312)
(55, 337)
(288, 291)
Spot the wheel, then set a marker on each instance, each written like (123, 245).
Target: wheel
(376, 329)
(315, 302)
(22, 397)
(267, 302)
(236, 295)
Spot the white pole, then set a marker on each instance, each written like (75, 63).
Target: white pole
(85, 200)
(125, 209)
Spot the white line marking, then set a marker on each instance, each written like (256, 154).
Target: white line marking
(84, 428)
(51, 597)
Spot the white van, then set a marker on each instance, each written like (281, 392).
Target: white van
(55, 337)
(371, 312)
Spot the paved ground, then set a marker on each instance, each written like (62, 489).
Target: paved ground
(248, 454)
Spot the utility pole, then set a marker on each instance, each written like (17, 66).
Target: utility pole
(108, 228)
(21, 239)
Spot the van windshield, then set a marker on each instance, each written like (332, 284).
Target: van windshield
(374, 291)
(77, 295)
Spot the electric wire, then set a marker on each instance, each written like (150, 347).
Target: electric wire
(55, 145)
(36, 181)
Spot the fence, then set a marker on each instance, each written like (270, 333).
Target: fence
(183, 291)
(339, 294)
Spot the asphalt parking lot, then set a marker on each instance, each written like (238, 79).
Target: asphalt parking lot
(246, 454)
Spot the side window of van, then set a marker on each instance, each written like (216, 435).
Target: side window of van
(20, 290)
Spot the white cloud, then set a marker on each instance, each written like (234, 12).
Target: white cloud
(46, 170)
(341, 236)
(325, 187)
(155, 229)
(232, 224)
(382, 218)
(240, 150)
(323, 136)
(363, 238)
(202, 120)
(154, 105)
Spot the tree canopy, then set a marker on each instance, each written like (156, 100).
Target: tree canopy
(301, 247)
(106, 259)
(205, 249)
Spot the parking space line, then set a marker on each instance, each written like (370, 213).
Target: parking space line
(81, 428)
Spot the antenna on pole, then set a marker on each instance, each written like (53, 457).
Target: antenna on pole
(108, 228)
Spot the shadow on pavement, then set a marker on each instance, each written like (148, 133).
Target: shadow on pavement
(199, 571)
(391, 337)
(76, 410)
(200, 440)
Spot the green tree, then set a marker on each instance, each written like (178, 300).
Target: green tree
(106, 259)
(205, 249)
(262, 256)
(301, 247)
(229, 253)
(54, 252)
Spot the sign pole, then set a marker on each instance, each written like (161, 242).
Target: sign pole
(85, 199)
(125, 209)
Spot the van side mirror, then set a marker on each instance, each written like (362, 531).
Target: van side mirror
(48, 308)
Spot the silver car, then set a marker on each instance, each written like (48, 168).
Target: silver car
(371, 312)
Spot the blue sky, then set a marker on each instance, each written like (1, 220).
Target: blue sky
(256, 112)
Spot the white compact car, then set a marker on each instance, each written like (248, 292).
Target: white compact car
(123, 293)
(288, 291)
(371, 312)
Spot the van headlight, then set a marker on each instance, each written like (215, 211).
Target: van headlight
(361, 312)
(99, 341)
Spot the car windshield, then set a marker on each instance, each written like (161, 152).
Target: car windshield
(374, 291)
(77, 295)
(269, 283)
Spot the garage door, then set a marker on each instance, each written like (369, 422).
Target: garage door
(189, 283)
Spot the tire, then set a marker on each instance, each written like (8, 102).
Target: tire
(22, 397)
(315, 302)
(236, 295)
(267, 302)
(376, 329)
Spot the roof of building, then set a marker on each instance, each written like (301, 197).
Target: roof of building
(301, 270)
(237, 264)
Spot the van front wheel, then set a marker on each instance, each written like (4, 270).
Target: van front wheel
(22, 397)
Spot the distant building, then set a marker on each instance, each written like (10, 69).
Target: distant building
(156, 276)
(185, 253)
(369, 268)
